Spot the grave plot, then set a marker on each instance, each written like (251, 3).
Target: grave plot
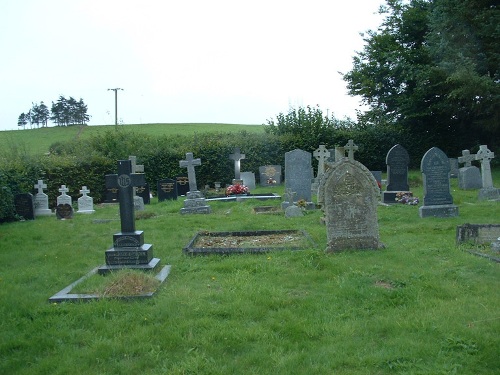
(205, 243)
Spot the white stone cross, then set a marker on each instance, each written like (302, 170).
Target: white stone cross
(84, 191)
(237, 156)
(40, 186)
(63, 189)
(321, 154)
(484, 155)
(190, 163)
(351, 148)
(136, 168)
(466, 158)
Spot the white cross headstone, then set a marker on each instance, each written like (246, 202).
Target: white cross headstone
(321, 155)
(85, 203)
(484, 155)
(64, 198)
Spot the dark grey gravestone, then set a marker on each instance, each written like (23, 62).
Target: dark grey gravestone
(349, 194)
(25, 206)
(166, 189)
(248, 179)
(270, 175)
(397, 161)
(453, 168)
(129, 249)
(469, 176)
(64, 211)
(237, 156)
(182, 184)
(144, 192)
(298, 174)
(41, 200)
(438, 201)
(111, 195)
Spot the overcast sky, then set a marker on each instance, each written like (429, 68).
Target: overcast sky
(212, 61)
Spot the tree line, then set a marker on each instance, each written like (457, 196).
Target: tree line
(64, 112)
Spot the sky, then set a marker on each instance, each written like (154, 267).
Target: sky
(218, 61)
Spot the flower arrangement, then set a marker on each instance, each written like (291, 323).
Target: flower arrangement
(237, 189)
(271, 181)
(407, 198)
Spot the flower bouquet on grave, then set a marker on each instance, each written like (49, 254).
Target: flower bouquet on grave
(237, 189)
(407, 198)
(271, 181)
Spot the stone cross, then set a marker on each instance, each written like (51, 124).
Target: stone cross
(351, 148)
(485, 155)
(237, 156)
(466, 158)
(84, 191)
(63, 189)
(190, 163)
(125, 181)
(321, 154)
(40, 186)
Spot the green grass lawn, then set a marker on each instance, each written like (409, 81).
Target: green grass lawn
(38, 141)
(422, 305)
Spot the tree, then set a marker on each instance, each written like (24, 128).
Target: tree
(22, 120)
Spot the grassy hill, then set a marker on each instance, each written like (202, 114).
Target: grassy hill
(38, 141)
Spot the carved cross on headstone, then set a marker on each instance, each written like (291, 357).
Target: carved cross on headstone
(237, 156)
(466, 158)
(321, 154)
(484, 155)
(125, 181)
(84, 191)
(190, 163)
(350, 147)
(63, 190)
(40, 186)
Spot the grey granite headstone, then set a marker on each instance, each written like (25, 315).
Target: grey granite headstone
(298, 173)
(248, 179)
(166, 189)
(41, 200)
(469, 176)
(397, 161)
(85, 203)
(25, 206)
(438, 201)
(349, 195)
(270, 175)
(488, 191)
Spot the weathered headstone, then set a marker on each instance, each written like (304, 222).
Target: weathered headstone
(349, 194)
(438, 201)
(298, 175)
(64, 211)
(195, 202)
(321, 154)
(237, 156)
(248, 179)
(25, 206)
(488, 191)
(167, 189)
(41, 200)
(64, 198)
(182, 184)
(129, 249)
(339, 153)
(270, 175)
(85, 203)
(469, 176)
(397, 161)
(453, 167)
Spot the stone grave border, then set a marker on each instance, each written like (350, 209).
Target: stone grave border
(66, 295)
(189, 249)
(477, 234)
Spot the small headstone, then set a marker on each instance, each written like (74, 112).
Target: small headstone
(41, 200)
(397, 161)
(195, 202)
(248, 179)
(167, 189)
(488, 191)
(64, 211)
(293, 211)
(438, 201)
(85, 203)
(270, 175)
(25, 206)
(349, 195)
(64, 198)
(298, 174)
(469, 176)
(237, 156)
(182, 184)
(453, 167)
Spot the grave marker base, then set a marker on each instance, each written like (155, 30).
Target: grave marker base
(444, 210)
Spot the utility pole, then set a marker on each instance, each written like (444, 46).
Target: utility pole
(116, 103)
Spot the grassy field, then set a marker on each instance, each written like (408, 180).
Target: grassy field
(422, 305)
(38, 141)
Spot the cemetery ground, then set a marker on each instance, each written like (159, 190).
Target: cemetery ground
(421, 305)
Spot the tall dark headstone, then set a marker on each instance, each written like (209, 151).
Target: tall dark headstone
(438, 201)
(397, 161)
(182, 182)
(25, 206)
(166, 189)
(129, 249)
(144, 192)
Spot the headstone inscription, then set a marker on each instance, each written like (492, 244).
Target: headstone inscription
(397, 161)
(469, 176)
(129, 249)
(349, 193)
(299, 175)
(237, 156)
(144, 192)
(182, 184)
(41, 200)
(195, 202)
(248, 179)
(25, 206)
(85, 203)
(167, 189)
(488, 191)
(270, 175)
(438, 202)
